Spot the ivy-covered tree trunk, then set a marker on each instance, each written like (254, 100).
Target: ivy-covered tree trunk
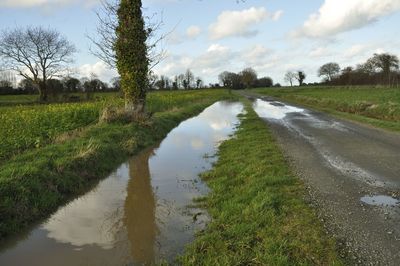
(131, 54)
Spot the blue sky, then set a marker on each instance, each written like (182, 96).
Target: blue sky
(212, 36)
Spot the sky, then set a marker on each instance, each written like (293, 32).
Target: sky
(209, 37)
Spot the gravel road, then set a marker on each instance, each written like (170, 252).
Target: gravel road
(352, 172)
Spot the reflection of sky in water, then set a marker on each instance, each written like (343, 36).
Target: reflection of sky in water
(380, 200)
(98, 225)
(92, 218)
(269, 110)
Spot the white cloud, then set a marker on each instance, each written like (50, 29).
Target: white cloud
(336, 16)
(193, 31)
(320, 52)
(240, 23)
(44, 3)
(99, 68)
(356, 50)
(277, 15)
(255, 55)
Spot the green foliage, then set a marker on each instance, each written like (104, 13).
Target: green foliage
(376, 106)
(259, 216)
(131, 53)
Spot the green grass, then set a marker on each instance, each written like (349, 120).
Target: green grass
(34, 126)
(377, 106)
(11, 100)
(259, 214)
(34, 183)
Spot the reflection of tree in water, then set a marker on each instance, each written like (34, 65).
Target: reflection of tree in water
(140, 207)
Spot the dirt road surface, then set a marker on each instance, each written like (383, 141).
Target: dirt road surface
(352, 172)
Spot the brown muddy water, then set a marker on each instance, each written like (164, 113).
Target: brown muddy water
(142, 213)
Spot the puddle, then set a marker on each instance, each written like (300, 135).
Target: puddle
(380, 200)
(140, 214)
(273, 109)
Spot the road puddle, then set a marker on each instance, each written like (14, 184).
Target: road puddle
(380, 200)
(273, 109)
(142, 213)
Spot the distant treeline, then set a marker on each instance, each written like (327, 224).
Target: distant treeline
(58, 87)
(247, 78)
(380, 69)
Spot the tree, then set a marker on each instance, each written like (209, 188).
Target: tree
(329, 70)
(71, 84)
(199, 83)
(265, 82)
(131, 54)
(235, 81)
(249, 77)
(290, 77)
(55, 87)
(37, 54)
(162, 83)
(180, 79)
(116, 83)
(300, 76)
(105, 41)
(224, 79)
(189, 79)
(386, 63)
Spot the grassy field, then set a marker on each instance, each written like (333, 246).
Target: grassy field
(259, 214)
(36, 181)
(34, 126)
(376, 106)
(9, 100)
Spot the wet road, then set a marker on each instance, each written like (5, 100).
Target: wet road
(352, 172)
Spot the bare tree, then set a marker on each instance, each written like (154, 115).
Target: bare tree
(104, 43)
(290, 77)
(329, 70)
(37, 54)
(189, 79)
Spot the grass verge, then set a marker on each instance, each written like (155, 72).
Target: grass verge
(259, 214)
(379, 107)
(35, 183)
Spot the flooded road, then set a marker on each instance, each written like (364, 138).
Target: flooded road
(352, 172)
(141, 214)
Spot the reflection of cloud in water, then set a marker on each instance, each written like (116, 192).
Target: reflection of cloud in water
(274, 111)
(219, 116)
(197, 143)
(91, 219)
(209, 127)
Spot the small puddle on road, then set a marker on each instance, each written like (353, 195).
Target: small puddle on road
(274, 110)
(380, 200)
(140, 214)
